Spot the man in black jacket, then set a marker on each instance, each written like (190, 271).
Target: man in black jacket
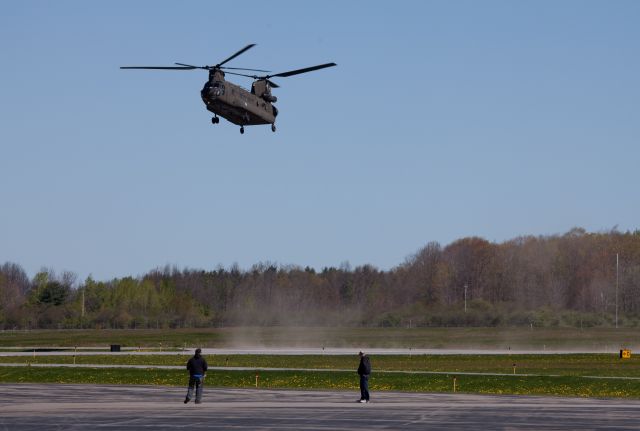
(197, 367)
(364, 369)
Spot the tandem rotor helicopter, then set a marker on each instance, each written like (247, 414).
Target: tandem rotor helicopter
(230, 101)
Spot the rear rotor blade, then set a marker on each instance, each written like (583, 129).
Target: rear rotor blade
(299, 71)
(236, 54)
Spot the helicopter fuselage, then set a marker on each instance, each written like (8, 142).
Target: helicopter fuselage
(236, 104)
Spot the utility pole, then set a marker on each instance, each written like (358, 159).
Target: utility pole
(617, 279)
(465, 297)
(81, 315)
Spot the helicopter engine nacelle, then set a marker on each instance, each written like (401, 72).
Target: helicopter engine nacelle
(269, 98)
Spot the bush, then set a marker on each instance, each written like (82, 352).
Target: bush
(457, 317)
(545, 317)
(581, 320)
(388, 320)
(520, 318)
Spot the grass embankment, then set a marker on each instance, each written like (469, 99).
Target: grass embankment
(561, 386)
(593, 339)
(154, 338)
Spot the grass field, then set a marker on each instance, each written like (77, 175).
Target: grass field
(535, 374)
(589, 339)
(538, 385)
(603, 365)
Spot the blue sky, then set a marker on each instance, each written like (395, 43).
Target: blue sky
(442, 120)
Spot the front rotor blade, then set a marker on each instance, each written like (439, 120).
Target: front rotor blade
(305, 70)
(224, 67)
(190, 65)
(159, 67)
(236, 54)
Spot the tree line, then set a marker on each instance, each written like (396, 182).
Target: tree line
(571, 280)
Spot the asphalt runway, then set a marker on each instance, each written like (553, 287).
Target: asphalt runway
(82, 407)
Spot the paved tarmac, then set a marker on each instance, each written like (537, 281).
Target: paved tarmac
(82, 407)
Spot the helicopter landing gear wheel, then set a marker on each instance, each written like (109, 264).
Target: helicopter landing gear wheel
(273, 128)
(215, 120)
(242, 130)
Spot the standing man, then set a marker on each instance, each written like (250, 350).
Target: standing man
(197, 367)
(364, 369)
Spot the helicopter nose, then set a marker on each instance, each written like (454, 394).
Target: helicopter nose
(206, 94)
(207, 91)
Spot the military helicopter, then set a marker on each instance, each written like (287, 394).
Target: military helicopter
(230, 101)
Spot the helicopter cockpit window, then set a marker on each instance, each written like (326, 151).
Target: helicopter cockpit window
(218, 88)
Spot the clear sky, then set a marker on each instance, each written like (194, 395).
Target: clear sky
(443, 119)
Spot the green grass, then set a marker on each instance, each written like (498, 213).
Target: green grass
(334, 380)
(599, 339)
(605, 365)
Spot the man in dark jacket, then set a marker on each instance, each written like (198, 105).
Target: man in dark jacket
(197, 367)
(364, 369)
